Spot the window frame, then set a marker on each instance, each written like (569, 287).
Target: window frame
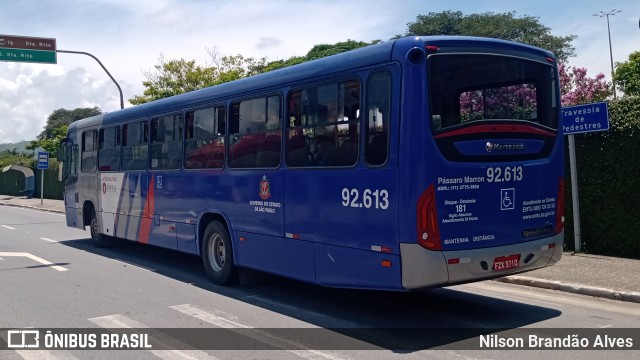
(222, 138)
(231, 126)
(93, 151)
(154, 143)
(117, 147)
(124, 141)
(340, 107)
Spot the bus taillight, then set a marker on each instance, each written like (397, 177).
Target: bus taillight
(560, 209)
(428, 234)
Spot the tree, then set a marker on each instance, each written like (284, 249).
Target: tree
(56, 127)
(577, 88)
(628, 74)
(173, 77)
(16, 157)
(506, 26)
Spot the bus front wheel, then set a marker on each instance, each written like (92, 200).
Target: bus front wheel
(217, 255)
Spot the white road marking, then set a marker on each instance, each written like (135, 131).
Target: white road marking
(8, 227)
(49, 240)
(34, 258)
(227, 321)
(123, 322)
(46, 355)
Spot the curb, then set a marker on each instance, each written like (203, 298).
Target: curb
(33, 208)
(630, 296)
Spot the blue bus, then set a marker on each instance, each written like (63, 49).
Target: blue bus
(413, 163)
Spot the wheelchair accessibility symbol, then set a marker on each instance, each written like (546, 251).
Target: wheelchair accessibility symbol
(507, 199)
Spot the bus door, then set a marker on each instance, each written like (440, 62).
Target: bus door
(256, 213)
(68, 158)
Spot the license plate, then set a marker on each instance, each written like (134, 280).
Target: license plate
(502, 263)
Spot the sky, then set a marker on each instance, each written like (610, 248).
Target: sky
(129, 36)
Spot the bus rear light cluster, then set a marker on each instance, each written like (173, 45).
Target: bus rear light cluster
(428, 233)
(431, 49)
(560, 208)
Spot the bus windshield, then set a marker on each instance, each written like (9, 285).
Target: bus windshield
(466, 88)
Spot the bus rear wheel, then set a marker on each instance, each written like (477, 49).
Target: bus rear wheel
(217, 255)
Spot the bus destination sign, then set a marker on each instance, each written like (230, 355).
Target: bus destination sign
(27, 49)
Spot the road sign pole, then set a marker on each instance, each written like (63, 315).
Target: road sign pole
(41, 186)
(103, 68)
(574, 194)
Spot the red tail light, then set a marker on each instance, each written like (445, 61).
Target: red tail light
(432, 49)
(560, 208)
(428, 234)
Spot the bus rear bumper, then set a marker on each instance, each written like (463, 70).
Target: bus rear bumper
(422, 268)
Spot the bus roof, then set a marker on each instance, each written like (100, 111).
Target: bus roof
(367, 56)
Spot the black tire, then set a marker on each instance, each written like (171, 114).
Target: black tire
(99, 239)
(217, 255)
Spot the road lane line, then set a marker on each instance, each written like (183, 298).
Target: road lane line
(46, 355)
(224, 320)
(34, 258)
(49, 240)
(122, 322)
(8, 227)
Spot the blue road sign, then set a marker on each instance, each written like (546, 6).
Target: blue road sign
(43, 160)
(585, 118)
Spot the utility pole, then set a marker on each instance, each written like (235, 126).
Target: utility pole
(603, 14)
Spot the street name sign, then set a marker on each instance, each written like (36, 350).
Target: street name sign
(27, 49)
(585, 118)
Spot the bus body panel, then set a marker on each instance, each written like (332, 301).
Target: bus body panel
(354, 208)
(255, 203)
(423, 268)
(341, 266)
(277, 255)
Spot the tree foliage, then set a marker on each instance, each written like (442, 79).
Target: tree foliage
(577, 88)
(56, 127)
(506, 26)
(16, 157)
(173, 77)
(628, 74)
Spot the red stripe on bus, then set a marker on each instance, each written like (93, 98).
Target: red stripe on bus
(488, 128)
(145, 223)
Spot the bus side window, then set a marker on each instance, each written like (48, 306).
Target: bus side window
(378, 113)
(109, 149)
(204, 138)
(324, 125)
(134, 146)
(255, 133)
(166, 142)
(89, 151)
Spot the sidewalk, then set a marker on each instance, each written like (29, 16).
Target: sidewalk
(593, 275)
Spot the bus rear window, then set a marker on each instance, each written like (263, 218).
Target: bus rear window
(466, 88)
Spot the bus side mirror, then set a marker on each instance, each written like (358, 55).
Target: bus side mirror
(60, 165)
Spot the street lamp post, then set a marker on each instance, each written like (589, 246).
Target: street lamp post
(603, 14)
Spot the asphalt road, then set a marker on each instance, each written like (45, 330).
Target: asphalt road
(52, 276)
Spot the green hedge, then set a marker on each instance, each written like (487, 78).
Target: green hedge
(608, 166)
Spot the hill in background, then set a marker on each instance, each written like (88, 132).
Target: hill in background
(20, 147)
